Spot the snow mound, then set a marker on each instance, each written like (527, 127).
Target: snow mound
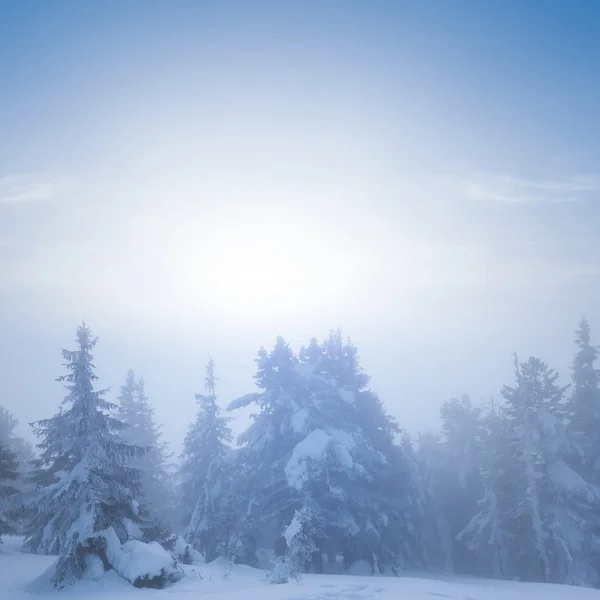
(143, 565)
(361, 568)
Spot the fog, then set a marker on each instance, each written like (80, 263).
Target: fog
(197, 181)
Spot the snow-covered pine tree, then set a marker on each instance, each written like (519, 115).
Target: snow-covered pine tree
(156, 498)
(435, 529)
(573, 511)
(8, 435)
(8, 476)
(364, 484)
(203, 470)
(269, 441)
(485, 534)
(218, 523)
(532, 410)
(321, 436)
(539, 518)
(583, 406)
(85, 483)
(459, 478)
(299, 536)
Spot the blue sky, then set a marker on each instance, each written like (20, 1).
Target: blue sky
(198, 177)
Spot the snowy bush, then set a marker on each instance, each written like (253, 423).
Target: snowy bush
(280, 572)
(143, 565)
(181, 551)
(299, 536)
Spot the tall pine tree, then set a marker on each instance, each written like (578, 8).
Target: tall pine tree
(583, 407)
(8, 477)
(323, 444)
(85, 482)
(203, 472)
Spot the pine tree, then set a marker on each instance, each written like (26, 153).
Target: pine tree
(532, 410)
(299, 537)
(436, 530)
(459, 477)
(321, 436)
(583, 408)
(85, 482)
(486, 534)
(136, 412)
(8, 476)
(9, 436)
(538, 519)
(203, 469)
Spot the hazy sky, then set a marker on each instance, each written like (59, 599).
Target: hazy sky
(198, 177)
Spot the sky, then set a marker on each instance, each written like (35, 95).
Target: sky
(196, 178)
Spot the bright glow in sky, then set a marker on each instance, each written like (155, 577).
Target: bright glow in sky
(198, 177)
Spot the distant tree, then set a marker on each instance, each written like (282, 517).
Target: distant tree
(539, 519)
(136, 412)
(460, 475)
(85, 482)
(8, 476)
(436, 529)
(583, 406)
(9, 436)
(487, 532)
(205, 446)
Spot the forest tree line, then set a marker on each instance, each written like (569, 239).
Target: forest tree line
(322, 479)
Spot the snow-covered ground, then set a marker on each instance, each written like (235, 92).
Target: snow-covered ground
(17, 571)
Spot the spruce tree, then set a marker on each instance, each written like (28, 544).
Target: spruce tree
(205, 446)
(487, 533)
(323, 443)
(538, 519)
(459, 478)
(136, 412)
(8, 477)
(9, 436)
(583, 408)
(86, 485)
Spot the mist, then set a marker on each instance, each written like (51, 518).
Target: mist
(193, 180)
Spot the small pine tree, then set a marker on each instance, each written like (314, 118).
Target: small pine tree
(85, 482)
(300, 536)
(8, 476)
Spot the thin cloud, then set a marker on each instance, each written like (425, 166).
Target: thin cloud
(586, 270)
(513, 190)
(20, 189)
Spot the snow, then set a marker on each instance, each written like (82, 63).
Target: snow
(133, 529)
(292, 530)
(566, 479)
(299, 419)
(313, 446)
(243, 401)
(220, 580)
(135, 559)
